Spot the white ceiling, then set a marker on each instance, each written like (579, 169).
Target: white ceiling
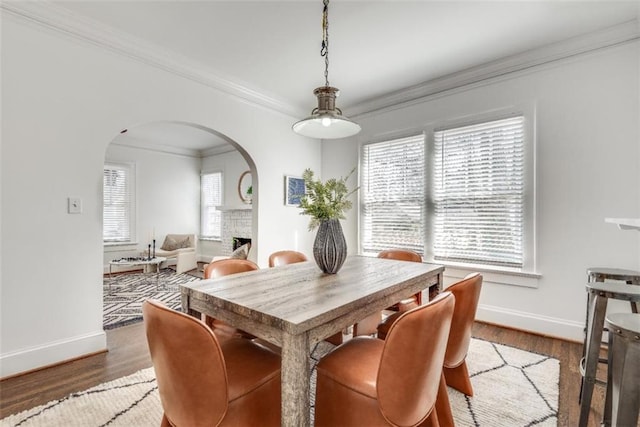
(376, 47)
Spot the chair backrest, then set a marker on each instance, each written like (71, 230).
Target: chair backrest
(467, 293)
(187, 360)
(224, 267)
(286, 257)
(180, 238)
(400, 255)
(411, 363)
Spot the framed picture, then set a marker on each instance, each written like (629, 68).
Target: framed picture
(294, 189)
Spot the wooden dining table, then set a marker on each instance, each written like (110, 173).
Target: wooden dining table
(295, 306)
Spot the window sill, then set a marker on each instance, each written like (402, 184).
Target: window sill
(501, 276)
(210, 239)
(120, 246)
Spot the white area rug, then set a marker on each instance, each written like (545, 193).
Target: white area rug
(512, 388)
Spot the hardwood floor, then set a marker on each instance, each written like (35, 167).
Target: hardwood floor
(129, 353)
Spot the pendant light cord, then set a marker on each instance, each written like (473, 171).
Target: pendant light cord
(324, 50)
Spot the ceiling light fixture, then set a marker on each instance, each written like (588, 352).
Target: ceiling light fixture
(326, 121)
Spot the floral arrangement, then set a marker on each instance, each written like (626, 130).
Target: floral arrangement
(325, 200)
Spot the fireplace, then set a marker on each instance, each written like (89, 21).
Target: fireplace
(236, 229)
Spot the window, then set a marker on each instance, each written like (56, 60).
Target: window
(392, 188)
(118, 203)
(479, 193)
(210, 199)
(466, 197)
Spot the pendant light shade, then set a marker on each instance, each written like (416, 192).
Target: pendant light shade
(326, 121)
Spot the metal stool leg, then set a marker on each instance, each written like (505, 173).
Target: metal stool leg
(597, 311)
(622, 404)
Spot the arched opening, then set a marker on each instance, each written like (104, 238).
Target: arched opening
(160, 168)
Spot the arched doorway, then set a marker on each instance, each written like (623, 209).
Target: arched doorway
(165, 161)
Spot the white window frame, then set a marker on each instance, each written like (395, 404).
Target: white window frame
(419, 246)
(203, 235)
(528, 248)
(130, 168)
(528, 269)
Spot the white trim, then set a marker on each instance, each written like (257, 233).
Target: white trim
(545, 325)
(59, 19)
(54, 352)
(487, 73)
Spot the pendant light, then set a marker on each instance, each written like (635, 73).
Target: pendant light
(326, 121)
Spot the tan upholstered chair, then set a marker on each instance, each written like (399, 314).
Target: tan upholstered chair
(456, 374)
(369, 382)
(218, 269)
(286, 257)
(205, 383)
(182, 248)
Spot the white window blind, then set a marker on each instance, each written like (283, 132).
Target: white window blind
(478, 193)
(210, 199)
(118, 203)
(393, 180)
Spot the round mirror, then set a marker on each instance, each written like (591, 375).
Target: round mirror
(245, 187)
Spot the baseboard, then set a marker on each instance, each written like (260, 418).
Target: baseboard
(48, 354)
(543, 325)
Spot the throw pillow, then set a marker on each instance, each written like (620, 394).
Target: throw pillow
(170, 244)
(242, 252)
(184, 243)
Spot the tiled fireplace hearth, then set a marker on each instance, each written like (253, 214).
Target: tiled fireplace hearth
(235, 223)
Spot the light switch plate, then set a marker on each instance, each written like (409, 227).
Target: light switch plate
(75, 205)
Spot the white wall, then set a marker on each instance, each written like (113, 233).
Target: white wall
(167, 196)
(232, 165)
(63, 102)
(588, 168)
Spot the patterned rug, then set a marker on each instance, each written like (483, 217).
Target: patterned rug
(122, 304)
(512, 388)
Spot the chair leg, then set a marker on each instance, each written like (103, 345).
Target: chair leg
(443, 406)
(458, 378)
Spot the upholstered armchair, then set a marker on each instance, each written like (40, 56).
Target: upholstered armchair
(182, 248)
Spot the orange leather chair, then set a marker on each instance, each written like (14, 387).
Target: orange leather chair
(279, 258)
(218, 269)
(205, 383)
(369, 325)
(370, 382)
(224, 267)
(456, 374)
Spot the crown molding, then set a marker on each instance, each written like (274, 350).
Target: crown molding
(623, 33)
(64, 21)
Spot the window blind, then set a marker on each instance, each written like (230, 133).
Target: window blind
(118, 203)
(210, 199)
(392, 186)
(478, 193)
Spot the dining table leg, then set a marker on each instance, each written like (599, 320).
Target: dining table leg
(295, 380)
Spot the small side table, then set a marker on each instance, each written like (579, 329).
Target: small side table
(145, 263)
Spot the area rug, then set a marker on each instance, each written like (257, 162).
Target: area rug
(122, 304)
(513, 388)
